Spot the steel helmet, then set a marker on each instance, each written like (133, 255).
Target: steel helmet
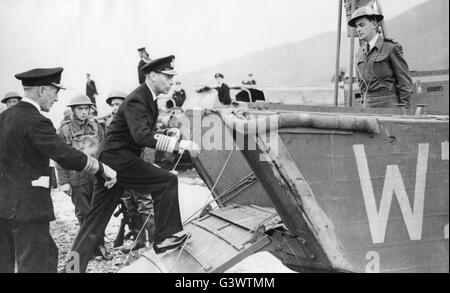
(11, 95)
(115, 95)
(364, 11)
(80, 100)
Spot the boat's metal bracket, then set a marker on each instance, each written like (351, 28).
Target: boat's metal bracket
(258, 233)
(218, 234)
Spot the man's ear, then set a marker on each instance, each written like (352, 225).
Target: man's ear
(41, 91)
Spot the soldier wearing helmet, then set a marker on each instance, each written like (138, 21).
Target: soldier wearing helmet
(11, 99)
(115, 99)
(85, 134)
(384, 77)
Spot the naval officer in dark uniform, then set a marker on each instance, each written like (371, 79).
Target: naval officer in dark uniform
(132, 129)
(28, 141)
(144, 59)
(384, 77)
(223, 90)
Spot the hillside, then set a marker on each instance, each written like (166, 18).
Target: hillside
(422, 30)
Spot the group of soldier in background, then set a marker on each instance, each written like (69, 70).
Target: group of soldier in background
(83, 149)
(81, 130)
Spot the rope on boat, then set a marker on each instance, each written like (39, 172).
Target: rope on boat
(204, 206)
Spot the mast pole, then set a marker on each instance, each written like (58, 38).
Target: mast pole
(338, 55)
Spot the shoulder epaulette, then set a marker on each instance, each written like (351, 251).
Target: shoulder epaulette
(390, 40)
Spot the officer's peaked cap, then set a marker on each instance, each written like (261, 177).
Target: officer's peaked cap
(162, 65)
(41, 77)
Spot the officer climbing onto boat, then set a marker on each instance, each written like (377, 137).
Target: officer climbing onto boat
(384, 77)
(133, 129)
(139, 207)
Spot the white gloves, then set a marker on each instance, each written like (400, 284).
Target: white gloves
(184, 145)
(189, 145)
(66, 188)
(110, 176)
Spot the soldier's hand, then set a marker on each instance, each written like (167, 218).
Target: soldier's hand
(192, 147)
(173, 132)
(66, 188)
(110, 176)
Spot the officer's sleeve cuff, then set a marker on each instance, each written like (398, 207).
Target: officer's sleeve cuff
(166, 143)
(92, 166)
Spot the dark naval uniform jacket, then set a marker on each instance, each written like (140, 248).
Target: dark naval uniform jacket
(384, 74)
(141, 75)
(27, 141)
(224, 94)
(133, 127)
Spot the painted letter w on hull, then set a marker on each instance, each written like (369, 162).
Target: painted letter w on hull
(393, 184)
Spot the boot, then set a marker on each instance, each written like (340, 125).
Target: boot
(136, 223)
(101, 251)
(150, 227)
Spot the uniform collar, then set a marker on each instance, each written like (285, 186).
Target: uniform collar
(153, 94)
(30, 101)
(375, 42)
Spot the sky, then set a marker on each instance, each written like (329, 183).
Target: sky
(101, 36)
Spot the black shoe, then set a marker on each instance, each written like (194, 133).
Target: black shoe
(102, 252)
(170, 243)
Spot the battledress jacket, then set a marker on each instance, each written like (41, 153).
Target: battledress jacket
(83, 136)
(385, 71)
(27, 141)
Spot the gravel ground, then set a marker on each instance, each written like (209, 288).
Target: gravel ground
(65, 228)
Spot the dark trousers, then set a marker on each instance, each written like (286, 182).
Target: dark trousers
(133, 174)
(30, 244)
(82, 199)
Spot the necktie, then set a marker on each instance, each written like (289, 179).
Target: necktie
(368, 48)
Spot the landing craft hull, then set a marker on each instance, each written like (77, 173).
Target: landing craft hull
(371, 202)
